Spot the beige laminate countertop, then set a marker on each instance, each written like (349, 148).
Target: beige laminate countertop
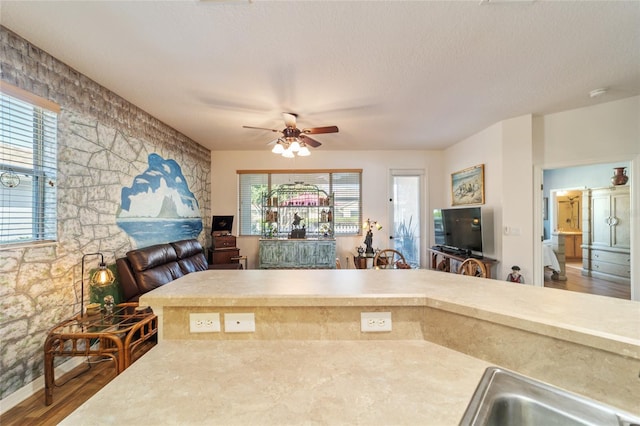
(601, 322)
(368, 382)
(288, 383)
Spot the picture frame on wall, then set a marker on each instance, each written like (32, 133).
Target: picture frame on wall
(467, 186)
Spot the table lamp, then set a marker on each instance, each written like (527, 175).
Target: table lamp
(100, 278)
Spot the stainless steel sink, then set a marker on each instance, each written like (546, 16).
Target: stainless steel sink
(507, 398)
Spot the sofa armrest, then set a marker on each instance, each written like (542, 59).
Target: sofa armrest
(130, 290)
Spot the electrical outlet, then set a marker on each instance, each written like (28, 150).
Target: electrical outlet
(205, 322)
(375, 321)
(239, 323)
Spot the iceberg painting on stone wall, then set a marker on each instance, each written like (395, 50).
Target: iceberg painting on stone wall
(159, 207)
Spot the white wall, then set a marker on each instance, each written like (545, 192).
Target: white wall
(482, 148)
(376, 166)
(597, 134)
(517, 195)
(506, 151)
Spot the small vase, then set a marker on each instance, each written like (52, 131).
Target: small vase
(620, 176)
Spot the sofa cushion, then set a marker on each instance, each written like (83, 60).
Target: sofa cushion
(190, 256)
(144, 269)
(154, 266)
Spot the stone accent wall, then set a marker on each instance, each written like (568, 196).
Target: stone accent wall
(103, 143)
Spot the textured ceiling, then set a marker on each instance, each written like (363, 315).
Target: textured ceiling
(404, 75)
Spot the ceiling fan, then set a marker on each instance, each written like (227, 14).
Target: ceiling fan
(294, 139)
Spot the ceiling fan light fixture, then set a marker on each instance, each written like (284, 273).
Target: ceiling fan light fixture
(294, 140)
(288, 153)
(294, 146)
(278, 148)
(304, 151)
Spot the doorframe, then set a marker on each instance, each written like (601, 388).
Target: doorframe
(634, 182)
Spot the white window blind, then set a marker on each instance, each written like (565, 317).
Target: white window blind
(27, 167)
(344, 185)
(347, 205)
(252, 188)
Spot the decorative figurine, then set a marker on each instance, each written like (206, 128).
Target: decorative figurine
(515, 276)
(298, 232)
(368, 241)
(296, 220)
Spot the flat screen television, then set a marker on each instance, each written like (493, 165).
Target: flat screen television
(459, 230)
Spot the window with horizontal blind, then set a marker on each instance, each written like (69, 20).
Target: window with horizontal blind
(343, 184)
(28, 127)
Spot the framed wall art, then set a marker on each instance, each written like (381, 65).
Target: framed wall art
(467, 186)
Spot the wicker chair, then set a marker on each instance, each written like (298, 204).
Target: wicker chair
(473, 267)
(390, 259)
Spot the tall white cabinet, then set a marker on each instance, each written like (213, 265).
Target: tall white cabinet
(607, 234)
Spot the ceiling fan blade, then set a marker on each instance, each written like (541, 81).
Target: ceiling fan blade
(273, 142)
(260, 128)
(316, 130)
(309, 141)
(289, 119)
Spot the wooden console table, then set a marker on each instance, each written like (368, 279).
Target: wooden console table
(441, 261)
(115, 335)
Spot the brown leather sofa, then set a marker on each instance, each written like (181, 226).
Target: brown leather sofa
(144, 269)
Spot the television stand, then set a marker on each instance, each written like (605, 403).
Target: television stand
(443, 259)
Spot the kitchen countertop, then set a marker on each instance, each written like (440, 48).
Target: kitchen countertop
(373, 381)
(601, 322)
(288, 382)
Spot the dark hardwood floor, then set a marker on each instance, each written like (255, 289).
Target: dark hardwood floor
(583, 284)
(73, 389)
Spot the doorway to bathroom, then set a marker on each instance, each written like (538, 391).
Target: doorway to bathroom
(573, 200)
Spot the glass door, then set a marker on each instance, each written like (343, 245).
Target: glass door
(406, 213)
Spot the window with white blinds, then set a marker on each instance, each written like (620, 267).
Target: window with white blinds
(345, 185)
(252, 188)
(28, 127)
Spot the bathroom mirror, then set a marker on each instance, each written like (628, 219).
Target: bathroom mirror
(567, 211)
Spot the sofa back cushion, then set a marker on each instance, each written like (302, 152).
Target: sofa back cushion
(154, 266)
(190, 256)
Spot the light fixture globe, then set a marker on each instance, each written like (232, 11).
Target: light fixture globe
(278, 148)
(102, 277)
(295, 146)
(288, 153)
